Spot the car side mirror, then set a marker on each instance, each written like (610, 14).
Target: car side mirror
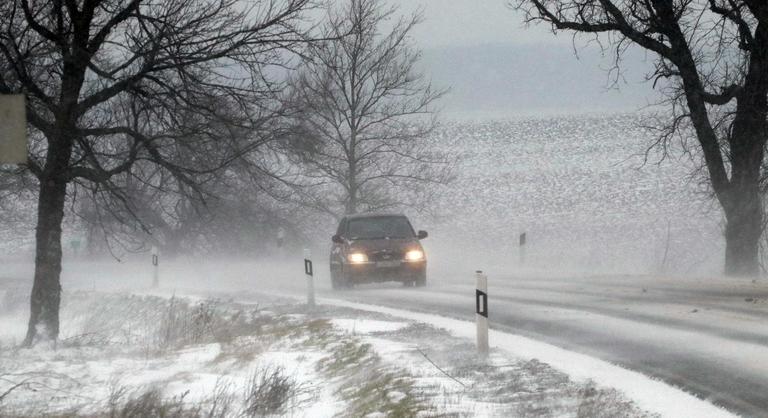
(422, 234)
(337, 239)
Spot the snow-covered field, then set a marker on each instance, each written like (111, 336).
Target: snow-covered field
(578, 187)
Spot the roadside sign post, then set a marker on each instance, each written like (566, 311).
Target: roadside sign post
(481, 312)
(13, 135)
(523, 240)
(155, 267)
(310, 282)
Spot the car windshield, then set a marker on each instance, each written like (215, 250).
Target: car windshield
(379, 227)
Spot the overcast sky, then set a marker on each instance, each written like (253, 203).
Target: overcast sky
(472, 22)
(498, 67)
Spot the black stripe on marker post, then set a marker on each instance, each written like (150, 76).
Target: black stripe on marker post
(481, 303)
(308, 267)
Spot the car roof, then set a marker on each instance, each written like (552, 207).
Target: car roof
(374, 215)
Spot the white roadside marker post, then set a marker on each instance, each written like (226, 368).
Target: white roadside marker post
(155, 267)
(481, 312)
(310, 282)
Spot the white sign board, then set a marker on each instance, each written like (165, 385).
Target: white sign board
(13, 129)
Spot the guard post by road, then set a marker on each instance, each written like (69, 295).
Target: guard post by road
(310, 281)
(481, 312)
(523, 239)
(155, 267)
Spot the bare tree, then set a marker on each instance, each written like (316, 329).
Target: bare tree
(106, 82)
(175, 209)
(714, 56)
(233, 211)
(364, 112)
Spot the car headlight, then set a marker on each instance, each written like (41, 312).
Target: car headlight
(414, 255)
(357, 258)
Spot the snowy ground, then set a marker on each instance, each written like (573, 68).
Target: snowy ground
(706, 335)
(140, 354)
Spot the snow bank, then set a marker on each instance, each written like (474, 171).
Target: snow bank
(366, 326)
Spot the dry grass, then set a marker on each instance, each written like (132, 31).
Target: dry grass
(124, 402)
(270, 391)
(368, 385)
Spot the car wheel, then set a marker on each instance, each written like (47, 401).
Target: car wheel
(421, 280)
(337, 279)
(343, 281)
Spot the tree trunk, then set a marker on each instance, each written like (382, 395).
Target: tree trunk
(46, 289)
(352, 190)
(743, 204)
(351, 208)
(742, 235)
(172, 245)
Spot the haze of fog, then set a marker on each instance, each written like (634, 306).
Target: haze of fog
(538, 171)
(547, 145)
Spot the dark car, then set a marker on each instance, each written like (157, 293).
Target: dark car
(372, 247)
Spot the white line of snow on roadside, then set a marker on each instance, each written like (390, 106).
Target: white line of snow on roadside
(366, 326)
(648, 393)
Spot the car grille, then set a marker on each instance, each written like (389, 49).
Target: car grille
(385, 255)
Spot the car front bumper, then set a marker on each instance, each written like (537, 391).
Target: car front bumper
(376, 272)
